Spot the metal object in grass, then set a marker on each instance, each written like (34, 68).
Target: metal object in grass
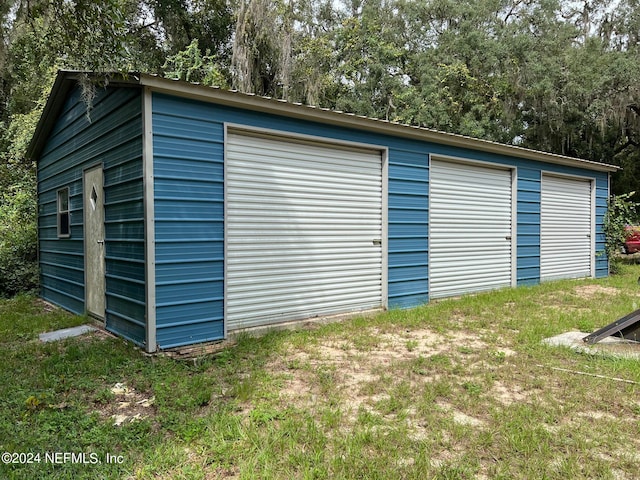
(627, 327)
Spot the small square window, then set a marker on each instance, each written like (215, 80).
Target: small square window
(64, 223)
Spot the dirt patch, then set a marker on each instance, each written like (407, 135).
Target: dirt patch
(296, 390)
(459, 417)
(419, 431)
(569, 308)
(594, 415)
(508, 395)
(590, 291)
(126, 405)
(360, 374)
(45, 306)
(95, 335)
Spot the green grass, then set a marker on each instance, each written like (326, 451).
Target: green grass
(456, 389)
(22, 318)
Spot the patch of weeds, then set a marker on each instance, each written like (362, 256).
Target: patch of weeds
(457, 470)
(369, 389)
(166, 461)
(586, 325)
(465, 350)
(225, 357)
(368, 418)
(498, 356)
(224, 432)
(419, 365)
(364, 341)
(185, 392)
(295, 364)
(263, 414)
(243, 389)
(191, 429)
(435, 390)
(393, 403)
(411, 345)
(287, 447)
(326, 377)
(472, 388)
(331, 418)
(485, 439)
(440, 359)
(33, 403)
(104, 396)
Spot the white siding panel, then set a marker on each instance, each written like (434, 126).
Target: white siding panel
(565, 230)
(470, 228)
(301, 220)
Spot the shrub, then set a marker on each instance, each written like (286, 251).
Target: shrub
(18, 239)
(620, 212)
(18, 204)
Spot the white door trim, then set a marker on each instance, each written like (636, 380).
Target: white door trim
(514, 206)
(592, 220)
(314, 140)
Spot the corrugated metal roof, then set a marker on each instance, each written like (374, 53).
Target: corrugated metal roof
(251, 101)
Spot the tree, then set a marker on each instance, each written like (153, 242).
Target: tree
(261, 55)
(369, 58)
(192, 66)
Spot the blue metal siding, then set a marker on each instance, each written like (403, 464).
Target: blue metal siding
(408, 213)
(188, 156)
(189, 221)
(188, 171)
(602, 194)
(528, 226)
(112, 137)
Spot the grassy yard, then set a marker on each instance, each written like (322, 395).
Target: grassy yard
(456, 389)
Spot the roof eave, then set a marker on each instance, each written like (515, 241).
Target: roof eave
(281, 107)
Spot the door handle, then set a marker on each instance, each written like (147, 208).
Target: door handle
(508, 237)
(377, 241)
(100, 242)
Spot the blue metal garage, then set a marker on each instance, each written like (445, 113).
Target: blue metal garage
(177, 213)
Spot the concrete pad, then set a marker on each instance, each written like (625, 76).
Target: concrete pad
(609, 346)
(567, 339)
(66, 333)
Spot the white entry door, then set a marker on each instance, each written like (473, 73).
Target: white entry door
(94, 242)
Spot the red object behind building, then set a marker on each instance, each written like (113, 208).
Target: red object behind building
(632, 243)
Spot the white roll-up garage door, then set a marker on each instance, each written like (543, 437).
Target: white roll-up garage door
(470, 228)
(303, 229)
(565, 228)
